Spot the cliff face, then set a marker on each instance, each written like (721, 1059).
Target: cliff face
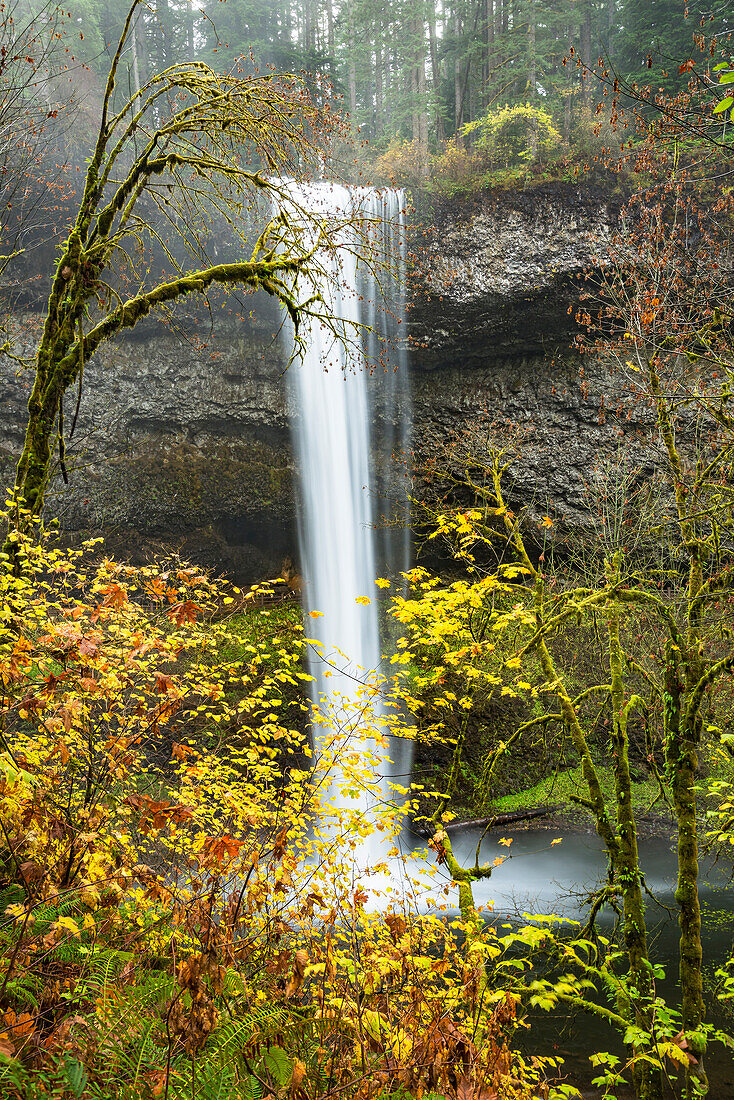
(495, 274)
(184, 447)
(176, 447)
(493, 304)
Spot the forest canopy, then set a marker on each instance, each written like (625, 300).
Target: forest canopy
(415, 70)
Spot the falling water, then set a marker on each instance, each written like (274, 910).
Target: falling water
(349, 395)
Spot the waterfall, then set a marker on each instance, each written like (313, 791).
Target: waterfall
(349, 394)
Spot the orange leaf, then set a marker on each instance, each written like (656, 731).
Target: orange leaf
(18, 1025)
(163, 683)
(279, 848)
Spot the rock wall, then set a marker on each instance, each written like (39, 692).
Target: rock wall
(494, 298)
(177, 447)
(188, 447)
(494, 276)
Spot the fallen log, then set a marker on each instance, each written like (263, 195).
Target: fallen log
(500, 820)
(264, 594)
(496, 821)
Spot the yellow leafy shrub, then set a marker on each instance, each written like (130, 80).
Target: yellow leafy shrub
(515, 134)
(404, 164)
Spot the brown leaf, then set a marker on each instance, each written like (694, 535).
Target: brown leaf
(465, 1088)
(313, 898)
(184, 612)
(396, 924)
(436, 842)
(681, 1041)
(216, 848)
(88, 648)
(279, 963)
(360, 897)
(115, 596)
(279, 848)
(31, 871)
(163, 683)
(20, 1025)
(300, 962)
(297, 1077)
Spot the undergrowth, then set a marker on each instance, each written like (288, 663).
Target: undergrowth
(181, 912)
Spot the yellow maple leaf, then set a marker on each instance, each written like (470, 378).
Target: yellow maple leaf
(66, 924)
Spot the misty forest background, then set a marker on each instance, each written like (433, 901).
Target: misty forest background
(412, 74)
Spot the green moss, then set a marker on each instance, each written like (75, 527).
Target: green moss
(199, 481)
(257, 626)
(561, 787)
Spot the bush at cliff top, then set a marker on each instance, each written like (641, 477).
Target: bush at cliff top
(456, 168)
(404, 163)
(505, 135)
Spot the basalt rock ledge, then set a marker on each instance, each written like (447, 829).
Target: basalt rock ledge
(183, 443)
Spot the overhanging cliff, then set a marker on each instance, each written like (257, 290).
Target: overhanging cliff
(185, 444)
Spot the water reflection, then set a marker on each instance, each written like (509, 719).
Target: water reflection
(538, 876)
(542, 877)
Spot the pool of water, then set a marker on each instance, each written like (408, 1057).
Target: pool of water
(538, 876)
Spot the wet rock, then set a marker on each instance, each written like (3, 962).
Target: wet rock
(183, 439)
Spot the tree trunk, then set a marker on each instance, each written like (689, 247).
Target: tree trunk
(458, 104)
(435, 72)
(136, 64)
(190, 47)
(330, 27)
(421, 98)
(648, 1083)
(532, 81)
(308, 29)
(569, 91)
(489, 42)
(352, 75)
(586, 78)
(682, 762)
(378, 82)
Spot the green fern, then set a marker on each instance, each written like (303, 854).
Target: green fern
(250, 1088)
(128, 1025)
(25, 990)
(11, 895)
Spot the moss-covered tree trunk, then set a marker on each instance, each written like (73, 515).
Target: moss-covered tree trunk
(686, 674)
(189, 161)
(682, 763)
(648, 1081)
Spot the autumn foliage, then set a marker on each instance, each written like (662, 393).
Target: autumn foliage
(173, 924)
